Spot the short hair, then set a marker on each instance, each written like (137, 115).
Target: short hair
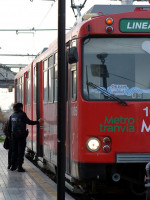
(17, 107)
(20, 105)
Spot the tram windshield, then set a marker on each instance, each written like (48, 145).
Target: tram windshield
(120, 66)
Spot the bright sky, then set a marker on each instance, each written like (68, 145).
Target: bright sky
(24, 14)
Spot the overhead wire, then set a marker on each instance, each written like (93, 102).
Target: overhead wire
(47, 13)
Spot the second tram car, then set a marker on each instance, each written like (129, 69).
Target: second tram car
(108, 101)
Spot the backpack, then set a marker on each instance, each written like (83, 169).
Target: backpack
(5, 128)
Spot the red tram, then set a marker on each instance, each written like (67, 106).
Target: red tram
(108, 101)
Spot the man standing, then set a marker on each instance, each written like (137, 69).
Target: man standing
(17, 124)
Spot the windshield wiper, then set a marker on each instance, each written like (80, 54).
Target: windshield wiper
(107, 94)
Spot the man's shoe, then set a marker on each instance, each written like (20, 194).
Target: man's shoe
(9, 166)
(13, 168)
(20, 169)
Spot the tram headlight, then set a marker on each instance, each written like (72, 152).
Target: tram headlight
(93, 144)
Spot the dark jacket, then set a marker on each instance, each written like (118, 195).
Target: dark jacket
(18, 121)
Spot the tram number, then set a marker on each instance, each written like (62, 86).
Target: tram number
(146, 111)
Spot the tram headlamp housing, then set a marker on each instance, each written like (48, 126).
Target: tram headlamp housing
(109, 29)
(107, 140)
(93, 144)
(106, 149)
(109, 21)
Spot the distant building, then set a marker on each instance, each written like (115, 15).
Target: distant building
(6, 77)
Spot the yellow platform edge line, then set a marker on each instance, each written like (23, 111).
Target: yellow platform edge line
(52, 193)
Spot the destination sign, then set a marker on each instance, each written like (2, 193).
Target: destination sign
(135, 25)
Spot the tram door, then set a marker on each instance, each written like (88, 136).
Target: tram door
(39, 138)
(27, 104)
(68, 118)
(71, 79)
(69, 121)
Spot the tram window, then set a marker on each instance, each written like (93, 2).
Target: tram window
(22, 89)
(56, 90)
(56, 84)
(74, 85)
(26, 91)
(45, 85)
(56, 71)
(45, 81)
(118, 65)
(18, 91)
(29, 89)
(56, 58)
(51, 84)
(50, 61)
(34, 84)
(45, 65)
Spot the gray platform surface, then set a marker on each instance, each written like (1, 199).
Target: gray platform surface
(31, 185)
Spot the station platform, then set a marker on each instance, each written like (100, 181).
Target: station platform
(30, 185)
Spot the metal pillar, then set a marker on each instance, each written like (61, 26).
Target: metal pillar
(127, 2)
(61, 137)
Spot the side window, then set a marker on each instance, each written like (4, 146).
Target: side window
(51, 78)
(56, 77)
(27, 88)
(45, 81)
(20, 90)
(74, 76)
(34, 84)
(74, 83)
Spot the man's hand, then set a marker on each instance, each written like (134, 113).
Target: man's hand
(40, 120)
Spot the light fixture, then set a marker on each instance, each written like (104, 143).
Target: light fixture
(109, 29)
(106, 149)
(93, 144)
(107, 140)
(109, 21)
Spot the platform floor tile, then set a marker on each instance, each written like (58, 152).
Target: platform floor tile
(31, 185)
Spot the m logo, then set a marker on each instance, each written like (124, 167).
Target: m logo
(144, 126)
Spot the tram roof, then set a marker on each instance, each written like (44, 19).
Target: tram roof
(113, 9)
